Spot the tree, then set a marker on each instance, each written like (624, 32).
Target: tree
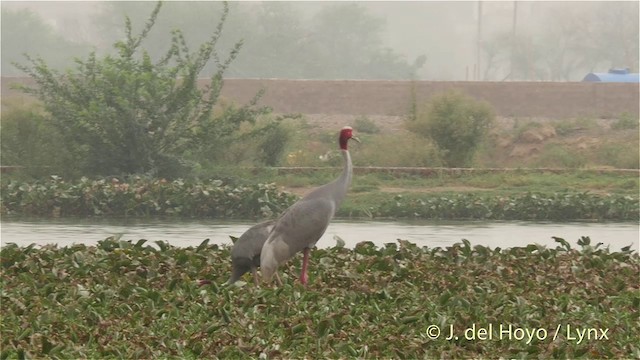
(613, 37)
(277, 45)
(280, 42)
(126, 114)
(563, 41)
(350, 46)
(456, 123)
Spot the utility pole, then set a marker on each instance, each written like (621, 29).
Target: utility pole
(513, 37)
(479, 41)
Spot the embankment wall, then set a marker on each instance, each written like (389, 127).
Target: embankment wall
(393, 98)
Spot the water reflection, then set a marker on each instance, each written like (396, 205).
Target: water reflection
(424, 233)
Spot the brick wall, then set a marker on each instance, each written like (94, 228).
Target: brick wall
(372, 97)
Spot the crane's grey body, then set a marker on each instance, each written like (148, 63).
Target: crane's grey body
(245, 255)
(302, 224)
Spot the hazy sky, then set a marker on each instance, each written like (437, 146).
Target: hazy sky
(445, 31)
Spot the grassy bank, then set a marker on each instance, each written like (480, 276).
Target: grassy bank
(437, 181)
(126, 300)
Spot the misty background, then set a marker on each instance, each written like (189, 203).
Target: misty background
(491, 41)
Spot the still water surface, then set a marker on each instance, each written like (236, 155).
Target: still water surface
(424, 233)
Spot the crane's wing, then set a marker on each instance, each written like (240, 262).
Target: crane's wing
(245, 254)
(302, 225)
(249, 245)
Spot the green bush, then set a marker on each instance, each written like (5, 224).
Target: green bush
(626, 121)
(619, 156)
(456, 123)
(555, 155)
(126, 114)
(29, 140)
(273, 145)
(363, 124)
(522, 127)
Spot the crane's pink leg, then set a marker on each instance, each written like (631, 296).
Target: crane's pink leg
(305, 261)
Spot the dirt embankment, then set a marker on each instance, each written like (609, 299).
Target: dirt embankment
(393, 98)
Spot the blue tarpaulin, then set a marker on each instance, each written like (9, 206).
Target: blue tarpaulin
(614, 75)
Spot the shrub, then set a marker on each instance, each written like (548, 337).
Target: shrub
(571, 126)
(127, 114)
(364, 125)
(619, 156)
(554, 155)
(273, 145)
(564, 127)
(30, 141)
(456, 123)
(626, 121)
(522, 127)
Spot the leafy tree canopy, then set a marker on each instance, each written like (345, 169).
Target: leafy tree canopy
(126, 113)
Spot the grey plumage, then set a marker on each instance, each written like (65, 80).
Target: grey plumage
(245, 254)
(302, 224)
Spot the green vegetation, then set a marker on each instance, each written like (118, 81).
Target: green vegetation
(619, 155)
(558, 156)
(581, 144)
(216, 199)
(131, 113)
(528, 206)
(273, 146)
(626, 121)
(456, 123)
(142, 197)
(128, 114)
(141, 300)
(396, 150)
(442, 180)
(575, 125)
(28, 140)
(363, 124)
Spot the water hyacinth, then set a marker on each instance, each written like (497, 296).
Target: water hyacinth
(562, 206)
(215, 199)
(142, 197)
(141, 300)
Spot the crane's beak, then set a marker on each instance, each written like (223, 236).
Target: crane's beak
(355, 138)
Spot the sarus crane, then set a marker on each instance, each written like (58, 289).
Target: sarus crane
(303, 223)
(245, 255)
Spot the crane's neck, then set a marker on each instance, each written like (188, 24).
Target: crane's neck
(347, 171)
(336, 190)
(344, 181)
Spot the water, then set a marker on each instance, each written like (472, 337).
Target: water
(423, 233)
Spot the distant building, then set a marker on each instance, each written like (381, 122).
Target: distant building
(614, 75)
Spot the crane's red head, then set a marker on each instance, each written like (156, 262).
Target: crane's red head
(345, 134)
